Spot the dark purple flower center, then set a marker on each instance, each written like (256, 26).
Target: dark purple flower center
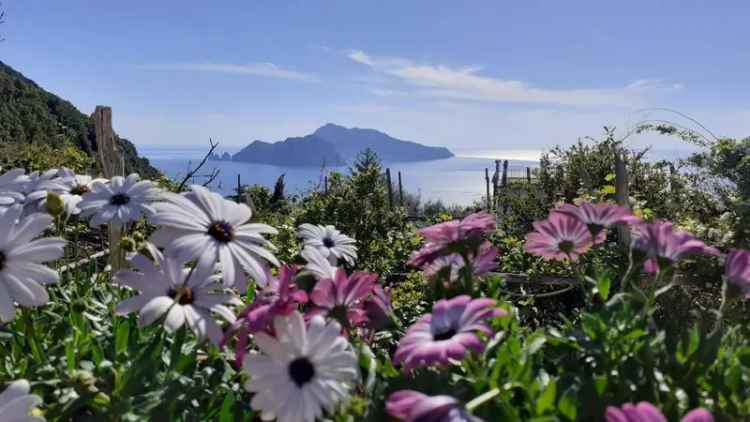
(2, 260)
(119, 199)
(221, 231)
(328, 242)
(340, 314)
(444, 335)
(182, 295)
(301, 371)
(79, 190)
(566, 246)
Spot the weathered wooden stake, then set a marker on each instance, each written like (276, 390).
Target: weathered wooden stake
(239, 189)
(487, 183)
(390, 187)
(528, 174)
(496, 179)
(621, 195)
(325, 184)
(111, 163)
(400, 191)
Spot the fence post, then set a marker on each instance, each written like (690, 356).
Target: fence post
(325, 184)
(390, 187)
(239, 189)
(496, 179)
(528, 174)
(112, 164)
(621, 195)
(400, 190)
(487, 182)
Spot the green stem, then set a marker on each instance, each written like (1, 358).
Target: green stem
(481, 399)
(628, 273)
(720, 311)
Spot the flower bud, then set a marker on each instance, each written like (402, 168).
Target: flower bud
(55, 204)
(127, 244)
(139, 237)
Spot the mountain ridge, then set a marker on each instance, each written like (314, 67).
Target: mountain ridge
(31, 114)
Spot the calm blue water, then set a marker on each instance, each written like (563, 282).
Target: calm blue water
(454, 180)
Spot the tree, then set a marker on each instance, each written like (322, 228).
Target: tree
(278, 190)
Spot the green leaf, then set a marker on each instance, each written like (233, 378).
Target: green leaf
(546, 401)
(534, 343)
(567, 405)
(600, 384)
(121, 338)
(608, 190)
(609, 177)
(603, 283)
(226, 414)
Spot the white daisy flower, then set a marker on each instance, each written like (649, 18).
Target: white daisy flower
(71, 187)
(12, 184)
(318, 264)
(333, 244)
(168, 288)
(16, 404)
(301, 371)
(36, 188)
(120, 201)
(204, 226)
(21, 274)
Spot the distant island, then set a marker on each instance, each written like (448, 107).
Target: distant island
(334, 145)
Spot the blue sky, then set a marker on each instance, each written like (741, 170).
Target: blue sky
(479, 74)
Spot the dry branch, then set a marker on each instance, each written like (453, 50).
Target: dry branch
(193, 172)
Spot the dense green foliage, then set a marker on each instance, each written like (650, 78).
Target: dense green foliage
(678, 343)
(31, 115)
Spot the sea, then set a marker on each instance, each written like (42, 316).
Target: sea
(459, 180)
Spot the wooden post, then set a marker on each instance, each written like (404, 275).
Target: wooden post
(390, 187)
(622, 196)
(239, 189)
(112, 163)
(487, 183)
(325, 184)
(505, 173)
(496, 179)
(528, 174)
(110, 159)
(400, 190)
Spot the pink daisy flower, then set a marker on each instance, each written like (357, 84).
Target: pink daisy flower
(454, 263)
(378, 308)
(413, 406)
(280, 297)
(558, 237)
(598, 217)
(447, 333)
(474, 225)
(441, 237)
(647, 412)
(343, 298)
(664, 246)
(737, 269)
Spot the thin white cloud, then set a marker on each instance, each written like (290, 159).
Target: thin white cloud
(263, 69)
(466, 83)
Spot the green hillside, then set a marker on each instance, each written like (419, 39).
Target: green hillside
(31, 115)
